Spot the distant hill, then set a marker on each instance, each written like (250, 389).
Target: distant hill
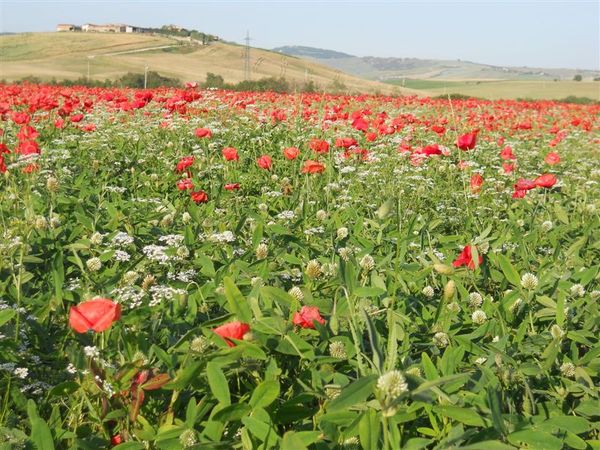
(378, 68)
(68, 55)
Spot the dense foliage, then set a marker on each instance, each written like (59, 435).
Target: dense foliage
(217, 269)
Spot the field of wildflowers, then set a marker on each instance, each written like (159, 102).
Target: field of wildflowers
(218, 270)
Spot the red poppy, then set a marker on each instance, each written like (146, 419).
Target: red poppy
(319, 146)
(507, 153)
(203, 133)
(230, 154)
(232, 330)
(3, 167)
(466, 258)
(291, 153)
(59, 123)
(370, 136)
(552, 158)
(476, 182)
(313, 167)
(199, 197)
(232, 186)
(185, 184)
(429, 150)
(545, 181)
(184, 163)
(76, 118)
(20, 118)
(307, 316)
(467, 141)
(519, 193)
(524, 185)
(508, 168)
(346, 142)
(30, 168)
(264, 162)
(27, 148)
(97, 314)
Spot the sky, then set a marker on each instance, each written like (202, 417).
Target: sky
(535, 33)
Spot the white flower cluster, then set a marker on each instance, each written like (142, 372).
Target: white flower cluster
(225, 236)
(156, 253)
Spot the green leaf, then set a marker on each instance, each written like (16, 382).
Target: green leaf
(494, 403)
(369, 430)
(264, 394)
(368, 291)
(41, 437)
(130, 446)
(236, 301)
(185, 376)
(6, 315)
(352, 394)
(463, 415)
(218, 383)
(291, 441)
(509, 271)
(535, 439)
(488, 445)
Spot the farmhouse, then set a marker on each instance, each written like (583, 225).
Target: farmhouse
(67, 27)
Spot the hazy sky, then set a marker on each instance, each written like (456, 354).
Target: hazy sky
(533, 33)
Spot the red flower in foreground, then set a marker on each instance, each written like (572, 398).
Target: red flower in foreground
(313, 167)
(232, 330)
(467, 141)
(319, 146)
(508, 168)
(199, 197)
(203, 133)
(184, 163)
(232, 186)
(552, 158)
(307, 316)
(264, 162)
(185, 184)
(291, 153)
(466, 259)
(507, 153)
(545, 181)
(230, 154)
(97, 314)
(524, 185)
(476, 182)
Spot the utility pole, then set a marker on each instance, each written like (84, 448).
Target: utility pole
(145, 76)
(247, 57)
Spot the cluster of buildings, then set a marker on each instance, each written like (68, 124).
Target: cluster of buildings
(107, 28)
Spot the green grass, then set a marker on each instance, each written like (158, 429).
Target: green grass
(504, 88)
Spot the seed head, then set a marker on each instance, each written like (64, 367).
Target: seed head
(428, 291)
(262, 250)
(367, 263)
(313, 269)
(478, 317)
(567, 370)
(392, 385)
(93, 264)
(475, 300)
(337, 349)
(440, 339)
(296, 292)
(342, 233)
(529, 281)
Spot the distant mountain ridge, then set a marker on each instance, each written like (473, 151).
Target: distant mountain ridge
(390, 68)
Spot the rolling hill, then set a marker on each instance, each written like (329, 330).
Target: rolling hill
(378, 68)
(68, 55)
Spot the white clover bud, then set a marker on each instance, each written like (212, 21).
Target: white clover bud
(313, 269)
(93, 264)
(352, 443)
(149, 280)
(367, 263)
(130, 277)
(577, 290)
(595, 295)
(321, 215)
(166, 221)
(52, 184)
(518, 302)
(529, 281)
(521, 223)
(337, 349)
(391, 385)
(256, 281)
(40, 223)
(54, 221)
(453, 307)
(199, 344)
(414, 371)
(188, 438)
(546, 226)
(262, 251)
(186, 218)
(478, 317)
(262, 207)
(440, 339)
(556, 332)
(567, 370)
(332, 391)
(96, 238)
(483, 248)
(345, 253)
(183, 251)
(475, 300)
(342, 233)
(428, 292)
(296, 292)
